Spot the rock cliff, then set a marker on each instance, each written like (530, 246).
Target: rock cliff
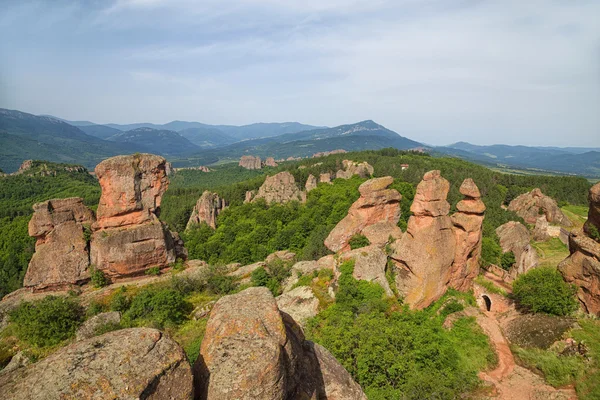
(514, 237)
(250, 162)
(351, 168)
(207, 208)
(270, 162)
(311, 183)
(377, 204)
(530, 205)
(280, 188)
(62, 250)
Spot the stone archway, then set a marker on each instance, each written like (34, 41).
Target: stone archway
(488, 302)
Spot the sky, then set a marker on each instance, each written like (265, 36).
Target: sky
(436, 71)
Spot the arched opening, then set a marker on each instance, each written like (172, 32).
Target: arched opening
(488, 303)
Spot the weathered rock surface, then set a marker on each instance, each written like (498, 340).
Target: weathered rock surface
(328, 153)
(593, 220)
(325, 178)
(540, 232)
(253, 351)
(425, 253)
(382, 233)
(250, 162)
(280, 188)
(207, 208)
(351, 168)
(270, 162)
(249, 196)
(300, 303)
(246, 270)
(311, 183)
(369, 265)
(124, 364)
(530, 205)
(89, 327)
(377, 204)
(467, 225)
(283, 255)
(61, 251)
(514, 237)
(128, 237)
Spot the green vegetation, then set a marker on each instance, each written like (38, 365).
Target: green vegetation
(357, 241)
(544, 290)
(588, 386)
(551, 252)
(558, 370)
(97, 277)
(577, 214)
(489, 286)
(593, 232)
(154, 271)
(272, 277)
(491, 252)
(507, 260)
(160, 306)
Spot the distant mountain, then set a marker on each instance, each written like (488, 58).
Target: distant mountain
(99, 131)
(263, 130)
(207, 137)
(156, 141)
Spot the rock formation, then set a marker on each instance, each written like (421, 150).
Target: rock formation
(328, 153)
(530, 205)
(325, 178)
(369, 265)
(425, 254)
(208, 207)
(351, 168)
(128, 237)
(249, 196)
(582, 267)
(376, 204)
(514, 237)
(467, 222)
(250, 162)
(280, 188)
(89, 327)
(61, 251)
(311, 183)
(540, 232)
(125, 364)
(300, 303)
(253, 351)
(270, 162)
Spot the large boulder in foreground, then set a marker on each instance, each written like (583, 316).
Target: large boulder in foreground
(530, 205)
(61, 250)
(138, 363)
(425, 253)
(206, 210)
(377, 204)
(514, 236)
(128, 237)
(253, 351)
(280, 188)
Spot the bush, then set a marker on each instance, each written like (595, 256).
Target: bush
(93, 309)
(161, 306)
(452, 307)
(357, 241)
(120, 302)
(97, 277)
(219, 283)
(48, 321)
(490, 252)
(154, 271)
(544, 290)
(507, 260)
(592, 231)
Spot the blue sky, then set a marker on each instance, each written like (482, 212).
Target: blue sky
(437, 71)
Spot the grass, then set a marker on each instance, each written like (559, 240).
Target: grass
(489, 286)
(551, 252)
(557, 370)
(588, 387)
(473, 345)
(577, 214)
(189, 335)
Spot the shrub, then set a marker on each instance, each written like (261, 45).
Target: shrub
(452, 307)
(544, 290)
(120, 302)
(490, 252)
(93, 309)
(97, 277)
(154, 271)
(162, 306)
(48, 321)
(221, 284)
(592, 231)
(507, 260)
(357, 241)
(259, 277)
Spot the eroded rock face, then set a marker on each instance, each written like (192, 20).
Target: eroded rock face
(125, 364)
(61, 251)
(467, 224)
(530, 205)
(325, 178)
(377, 204)
(250, 162)
(514, 237)
(540, 232)
(593, 220)
(425, 253)
(207, 208)
(89, 327)
(128, 237)
(369, 265)
(270, 162)
(253, 351)
(311, 183)
(249, 196)
(351, 168)
(300, 303)
(280, 188)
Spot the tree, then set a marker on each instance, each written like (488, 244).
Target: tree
(543, 290)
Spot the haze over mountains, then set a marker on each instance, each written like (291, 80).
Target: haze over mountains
(27, 136)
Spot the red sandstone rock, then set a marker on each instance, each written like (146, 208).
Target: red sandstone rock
(311, 183)
(207, 208)
(280, 188)
(325, 178)
(369, 265)
(250, 162)
(593, 220)
(270, 162)
(514, 237)
(529, 206)
(351, 168)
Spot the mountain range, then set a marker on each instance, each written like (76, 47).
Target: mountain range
(27, 136)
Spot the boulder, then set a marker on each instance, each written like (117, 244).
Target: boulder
(531, 205)
(376, 205)
(592, 225)
(249, 196)
(251, 350)
(540, 232)
(270, 162)
(382, 233)
(280, 188)
(89, 327)
(61, 250)
(311, 183)
(17, 361)
(328, 153)
(250, 162)
(325, 178)
(207, 208)
(246, 270)
(468, 228)
(369, 265)
(514, 237)
(327, 262)
(283, 255)
(351, 168)
(305, 267)
(425, 253)
(126, 364)
(128, 238)
(300, 303)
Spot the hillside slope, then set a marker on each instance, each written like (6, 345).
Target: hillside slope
(163, 142)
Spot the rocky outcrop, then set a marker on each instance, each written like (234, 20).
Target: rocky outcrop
(540, 231)
(582, 267)
(250, 162)
(351, 168)
(467, 225)
(128, 238)
(300, 303)
(377, 204)
(207, 208)
(61, 251)
(514, 237)
(270, 162)
(280, 188)
(325, 178)
(282, 255)
(328, 153)
(369, 265)
(125, 364)
(253, 351)
(249, 196)
(530, 205)
(382, 233)
(311, 183)
(89, 327)
(425, 254)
